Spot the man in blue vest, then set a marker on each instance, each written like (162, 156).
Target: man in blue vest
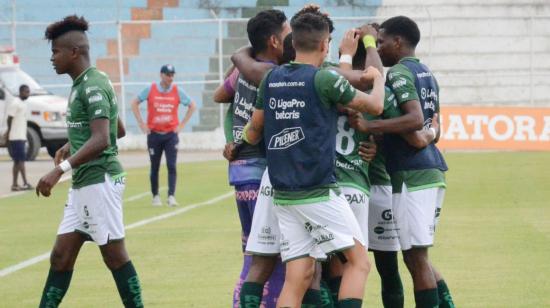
(417, 175)
(299, 103)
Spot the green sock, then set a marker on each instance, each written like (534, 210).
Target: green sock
(127, 283)
(56, 286)
(445, 298)
(251, 295)
(334, 286)
(392, 288)
(350, 303)
(326, 297)
(312, 299)
(426, 298)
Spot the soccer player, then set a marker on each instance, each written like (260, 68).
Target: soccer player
(94, 204)
(417, 175)
(300, 128)
(266, 32)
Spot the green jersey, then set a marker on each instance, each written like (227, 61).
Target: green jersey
(351, 169)
(377, 168)
(93, 97)
(401, 81)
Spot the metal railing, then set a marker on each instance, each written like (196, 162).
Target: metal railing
(341, 23)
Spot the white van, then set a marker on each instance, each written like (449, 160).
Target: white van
(46, 125)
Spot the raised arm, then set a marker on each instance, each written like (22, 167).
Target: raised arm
(251, 69)
(372, 103)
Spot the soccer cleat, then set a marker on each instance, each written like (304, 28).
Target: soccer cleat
(156, 201)
(172, 201)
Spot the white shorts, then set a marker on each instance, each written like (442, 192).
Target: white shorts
(414, 213)
(329, 225)
(264, 234)
(95, 210)
(382, 231)
(359, 202)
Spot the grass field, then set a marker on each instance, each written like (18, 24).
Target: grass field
(492, 246)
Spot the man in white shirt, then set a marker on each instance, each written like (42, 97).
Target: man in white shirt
(17, 136)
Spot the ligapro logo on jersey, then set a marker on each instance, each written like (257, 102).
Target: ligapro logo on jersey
(286, 138)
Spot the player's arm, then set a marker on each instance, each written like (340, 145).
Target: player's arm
(368, 35)
(251, 69)
(121, 130)
(254, 129)
(411, 120)
(98, 142)
(348, 47)
(372, 103)
(402, 86)
(135, 110)
(422, 138)
(225, 92)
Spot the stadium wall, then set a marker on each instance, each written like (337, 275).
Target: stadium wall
(493, 54)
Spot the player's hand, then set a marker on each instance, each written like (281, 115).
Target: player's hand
(48, 181)
(348, 45)
(370, 74)
(356, 121)
(144, 128)
(367, 150)
(61, 154)
(368, 29)
(229, 152)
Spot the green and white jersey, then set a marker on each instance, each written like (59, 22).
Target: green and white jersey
(401, 81)
(93, 97)
(377, 167)
(351, 169)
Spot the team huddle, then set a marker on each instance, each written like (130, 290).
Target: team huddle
(341, 162)
(328, 161)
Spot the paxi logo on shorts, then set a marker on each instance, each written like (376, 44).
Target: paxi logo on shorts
(286, 138)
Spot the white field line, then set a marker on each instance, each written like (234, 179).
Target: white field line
(14, 268)
(16, 193)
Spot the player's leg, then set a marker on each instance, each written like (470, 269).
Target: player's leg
(414, 216)
(126, 278)
(384, 243)
(359, 202)
(62, 260)
(445, 298)
(171, 150)
(264, 278)
(332, 225)
(101, 210)
(64, 253)
(246, 196)
(298, 276)
(392, 287)
(155, 155)
(261, 268)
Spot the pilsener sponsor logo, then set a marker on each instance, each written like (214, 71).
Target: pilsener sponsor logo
(286, 138)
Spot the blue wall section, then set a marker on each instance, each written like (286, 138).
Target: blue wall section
(192, 48)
